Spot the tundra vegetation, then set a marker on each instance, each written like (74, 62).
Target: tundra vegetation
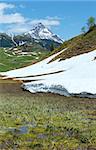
(45, 121)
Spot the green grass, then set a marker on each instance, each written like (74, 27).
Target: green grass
(46, 121)
(8, 61)
(80, 44)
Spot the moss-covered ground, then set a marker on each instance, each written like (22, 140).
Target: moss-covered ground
(45, 121)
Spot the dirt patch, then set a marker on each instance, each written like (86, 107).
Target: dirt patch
(10, 86)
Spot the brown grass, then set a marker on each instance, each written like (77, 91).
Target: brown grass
(81, 44)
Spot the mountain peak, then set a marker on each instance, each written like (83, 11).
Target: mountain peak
(39, 31)
(40, 25)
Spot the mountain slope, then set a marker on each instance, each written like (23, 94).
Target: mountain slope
(5, 40)
(79, 45)
(28, 41)
(39, 35)
(39, 32)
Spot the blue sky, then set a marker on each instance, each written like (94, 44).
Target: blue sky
(64, 18)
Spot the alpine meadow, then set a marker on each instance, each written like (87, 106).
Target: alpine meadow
(47, 75)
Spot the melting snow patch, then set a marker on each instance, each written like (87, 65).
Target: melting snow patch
(33, 88)
(79, 77)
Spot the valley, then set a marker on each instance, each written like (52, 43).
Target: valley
(9, 61)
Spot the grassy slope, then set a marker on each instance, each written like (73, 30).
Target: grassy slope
(9, 61)
(78, 45)
(45, 121)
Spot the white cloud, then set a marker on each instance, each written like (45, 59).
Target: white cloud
(5, 6)
(18, 28)
(9, 18)
(26, 26)
(17, 23)
(47, 22)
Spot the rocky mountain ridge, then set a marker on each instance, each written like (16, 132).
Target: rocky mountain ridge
(39, 35)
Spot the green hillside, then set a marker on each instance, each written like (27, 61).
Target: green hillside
(8, 61)
(78, 45)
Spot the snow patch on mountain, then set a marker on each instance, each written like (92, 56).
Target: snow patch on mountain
(76, 75)
(39, 31)
(39, 68)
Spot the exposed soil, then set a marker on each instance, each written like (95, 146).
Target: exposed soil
(10, 86)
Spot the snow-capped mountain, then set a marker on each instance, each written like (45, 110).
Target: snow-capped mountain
(40, 36)
(39, 31)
